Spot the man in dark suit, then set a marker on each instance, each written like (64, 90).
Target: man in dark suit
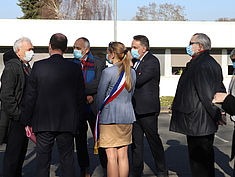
(193, 112)
(54, 102)
(13, 81)
(146, 104)
(92, 68)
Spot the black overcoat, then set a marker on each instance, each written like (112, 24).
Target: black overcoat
(229, 106)
(12, 88)
(193, 112)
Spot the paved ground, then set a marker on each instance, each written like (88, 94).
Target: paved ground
(175, 151)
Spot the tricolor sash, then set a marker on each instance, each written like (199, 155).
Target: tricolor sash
(117, 89)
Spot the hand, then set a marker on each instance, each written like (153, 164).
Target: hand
(89, 99)
(219, 97)
(222, 121)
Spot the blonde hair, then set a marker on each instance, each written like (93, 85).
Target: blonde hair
(122, 54)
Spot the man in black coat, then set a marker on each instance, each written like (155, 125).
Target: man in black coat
(227, 102)
(228, 105)
(92, 68)
(193, 112)
(13, 81)
(54, 102)
(146, 104)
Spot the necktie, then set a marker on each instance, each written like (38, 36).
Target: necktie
(27, 69)
(136, 64)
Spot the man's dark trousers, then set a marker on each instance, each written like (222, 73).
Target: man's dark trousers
(201, 155)
(17, 142)
(147, 124)
(45, 141)
(81, 144)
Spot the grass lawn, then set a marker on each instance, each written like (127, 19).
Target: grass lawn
(166, 101)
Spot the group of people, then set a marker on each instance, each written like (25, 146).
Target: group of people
(58, 97)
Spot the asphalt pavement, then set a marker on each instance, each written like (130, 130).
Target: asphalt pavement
(175, 151)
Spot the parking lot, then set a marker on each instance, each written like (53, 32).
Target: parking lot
(175, 152)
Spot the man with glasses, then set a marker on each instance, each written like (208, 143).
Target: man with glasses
(92, 68)
(193, 112)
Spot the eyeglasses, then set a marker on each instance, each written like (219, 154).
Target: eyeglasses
(191, 43)
(75, 47)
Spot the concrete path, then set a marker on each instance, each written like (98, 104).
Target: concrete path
(175, 151)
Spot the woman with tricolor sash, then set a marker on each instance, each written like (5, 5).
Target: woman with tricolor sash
(116, 114)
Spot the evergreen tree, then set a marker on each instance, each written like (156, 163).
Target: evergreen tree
(30, 8)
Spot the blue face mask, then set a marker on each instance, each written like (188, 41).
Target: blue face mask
(107, 59)
(77, 54)
(134, 53)
(29, 55)
(233, 64)
(189, 50)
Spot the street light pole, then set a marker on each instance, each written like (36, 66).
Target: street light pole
(115, 20)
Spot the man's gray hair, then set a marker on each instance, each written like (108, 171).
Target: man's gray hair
(18, 43)
(204, 40)
(86, 42)
(232, 53)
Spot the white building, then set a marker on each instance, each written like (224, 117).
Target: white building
(168, 40)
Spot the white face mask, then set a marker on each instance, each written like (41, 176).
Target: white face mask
(29, 55)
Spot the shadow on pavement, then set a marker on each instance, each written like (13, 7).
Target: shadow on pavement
(177, 158)
(222, 160)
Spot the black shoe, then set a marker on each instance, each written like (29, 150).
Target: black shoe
(105, 172)
(85, 172)
(162, 174)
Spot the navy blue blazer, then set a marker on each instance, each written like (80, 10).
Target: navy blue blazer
(146, 96)
(55, 96)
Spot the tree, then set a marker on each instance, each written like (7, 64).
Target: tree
(225, 19)
(76, 9)
(163, 12)
(30, 8)
(50, 9)
(170, 12)
(67, 9)
(142, 14)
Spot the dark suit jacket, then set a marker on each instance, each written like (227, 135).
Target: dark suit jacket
(229, 106)
(146, 96)
(54, 97)
(91, 87)
(193, 112)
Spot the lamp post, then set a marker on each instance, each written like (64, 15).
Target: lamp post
(115, 20)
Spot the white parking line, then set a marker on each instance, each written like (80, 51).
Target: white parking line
(225, 141)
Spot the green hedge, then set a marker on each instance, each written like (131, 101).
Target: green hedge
(166, 100)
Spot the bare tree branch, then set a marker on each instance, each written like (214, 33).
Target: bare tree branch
(163, 12)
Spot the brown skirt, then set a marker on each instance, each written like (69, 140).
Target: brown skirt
(115, 135)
